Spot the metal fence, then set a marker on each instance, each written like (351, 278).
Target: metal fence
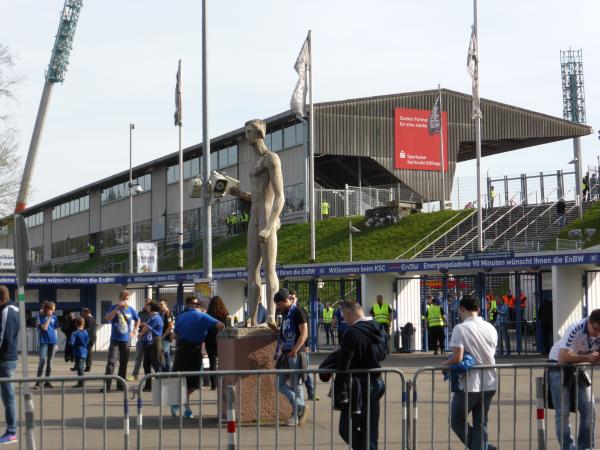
(244, 411)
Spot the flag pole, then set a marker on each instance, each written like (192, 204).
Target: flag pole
(179, 125)
(311, 127)
(442, 166)
(478, 137)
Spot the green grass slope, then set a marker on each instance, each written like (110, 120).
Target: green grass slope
(591, 219)
(386, 242)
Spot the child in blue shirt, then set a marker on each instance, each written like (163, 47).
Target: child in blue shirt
(47, 323)
(151, 336)
(79, 343)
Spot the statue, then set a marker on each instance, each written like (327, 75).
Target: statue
(266, 188)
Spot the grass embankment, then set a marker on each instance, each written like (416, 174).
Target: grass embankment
(591, 219)
(386, 242)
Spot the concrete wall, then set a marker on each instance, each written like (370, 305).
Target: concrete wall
(71, 226)
(567, 296)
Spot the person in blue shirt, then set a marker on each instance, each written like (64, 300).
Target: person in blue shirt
(47, 323)
(124, 322)
(191, 327)
(9, 354)
(79, 341)
(151, 336)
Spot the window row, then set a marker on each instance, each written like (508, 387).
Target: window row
(70, 246)
(193, 167)
(69, 208)
(142, 231)
(287, 137)
(294, 199)
(121, 190)
(34, 219)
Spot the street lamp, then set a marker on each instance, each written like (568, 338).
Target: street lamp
(351, 230)
(133, 188)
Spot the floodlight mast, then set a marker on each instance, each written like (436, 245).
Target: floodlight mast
(57, 68)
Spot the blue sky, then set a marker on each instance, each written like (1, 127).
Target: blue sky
(125, 55)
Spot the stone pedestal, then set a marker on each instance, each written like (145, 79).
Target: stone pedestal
(251, 349)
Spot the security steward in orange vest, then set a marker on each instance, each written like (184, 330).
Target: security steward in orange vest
(384, 314)
(510, 300)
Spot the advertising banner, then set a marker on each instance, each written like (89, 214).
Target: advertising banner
(147, 257)
(7, 259)
(414, 147)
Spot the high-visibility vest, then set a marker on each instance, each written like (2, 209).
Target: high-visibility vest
(325, 208)
(381, 313)
(327, 315)
(493, 193)
(493, 307)
(435, 317)
(92, 249)
(509, 300)
(523, 301)
(489, 298)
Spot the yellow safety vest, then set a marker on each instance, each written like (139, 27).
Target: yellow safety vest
(435, 316)
(325, 208)
(381, 313)
(493, 308)
(327, 315)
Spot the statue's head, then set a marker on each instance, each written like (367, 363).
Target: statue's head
(255, 130)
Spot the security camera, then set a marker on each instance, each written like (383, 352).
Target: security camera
(138, 189)
(221, 184)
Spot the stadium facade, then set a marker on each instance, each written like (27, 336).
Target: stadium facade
(376, 141)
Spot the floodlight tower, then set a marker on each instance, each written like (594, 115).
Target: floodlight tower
(571, 68)
(55, 73)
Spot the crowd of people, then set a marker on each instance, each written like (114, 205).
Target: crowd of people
(363, 344)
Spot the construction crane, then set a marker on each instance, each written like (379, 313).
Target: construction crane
(57, 68)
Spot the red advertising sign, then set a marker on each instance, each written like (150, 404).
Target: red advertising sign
(414, 147)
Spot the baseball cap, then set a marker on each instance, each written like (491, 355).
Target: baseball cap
(281, 295)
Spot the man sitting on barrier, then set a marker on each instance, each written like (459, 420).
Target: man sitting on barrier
(579, 344)
(477, 387)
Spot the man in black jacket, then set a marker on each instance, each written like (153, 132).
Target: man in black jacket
(9, 354)
(364, 346)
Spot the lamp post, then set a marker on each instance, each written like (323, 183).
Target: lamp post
(351, 230)
(131, 128)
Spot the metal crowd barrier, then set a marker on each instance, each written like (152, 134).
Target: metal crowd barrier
(67, 417)
(212, 416)
(518, 413)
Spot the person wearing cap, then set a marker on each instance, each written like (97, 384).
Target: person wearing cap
(291, 346)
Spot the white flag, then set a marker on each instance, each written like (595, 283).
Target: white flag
(298, 102)
(178, 113)
(473, 67)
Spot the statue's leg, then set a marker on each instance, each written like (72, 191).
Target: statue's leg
(254, 280)
(269, 253)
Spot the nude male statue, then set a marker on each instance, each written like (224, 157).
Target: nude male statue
(266, 186)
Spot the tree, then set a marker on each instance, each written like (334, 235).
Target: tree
(9, 160)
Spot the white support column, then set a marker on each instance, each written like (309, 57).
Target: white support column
(567, 297)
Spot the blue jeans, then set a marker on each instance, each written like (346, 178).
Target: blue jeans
(7, 392)
(585, 406)
(503, 339)
(479, 405)
(168, 365)
(295, 392)
(46, 356)
(359, 425)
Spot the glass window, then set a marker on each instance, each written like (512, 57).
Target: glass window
(277, 140)
(289, 136)
(300, 139)
(214, 161)
(173, 174)
(195, 167)
(233, 154)
(223, 158)
(187, 169)
(268, 140)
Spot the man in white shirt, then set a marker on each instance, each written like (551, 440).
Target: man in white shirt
(579, 344)
(476, 390)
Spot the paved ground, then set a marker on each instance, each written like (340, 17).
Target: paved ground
(512, 416)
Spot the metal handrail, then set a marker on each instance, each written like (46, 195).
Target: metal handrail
(435, 231)
(516, 205)
(521, 218)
